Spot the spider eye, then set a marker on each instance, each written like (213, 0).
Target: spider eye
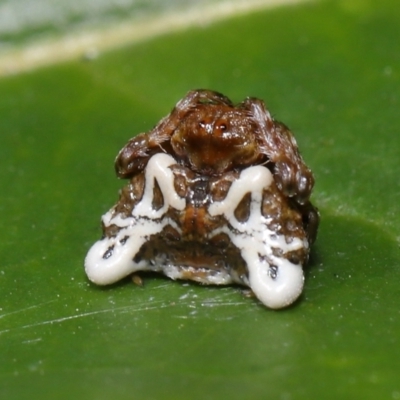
(202, 124)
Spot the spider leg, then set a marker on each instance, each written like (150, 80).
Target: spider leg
(276, 141)
(310, 221)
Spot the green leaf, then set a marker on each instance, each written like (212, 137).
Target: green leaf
(329, 70)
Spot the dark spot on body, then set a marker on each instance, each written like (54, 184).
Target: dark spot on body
(273, 271)
(262, 257)
(108, 253)
(242, 211)
(124, 239)
(158, 198)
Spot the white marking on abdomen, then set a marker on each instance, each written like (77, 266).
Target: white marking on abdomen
(111, 259)
(275, 281)
(158, 169)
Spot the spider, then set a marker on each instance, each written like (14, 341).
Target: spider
(218, 194)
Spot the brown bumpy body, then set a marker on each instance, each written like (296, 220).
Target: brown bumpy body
(209, 136)
(217, 193)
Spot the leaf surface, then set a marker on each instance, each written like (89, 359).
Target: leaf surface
(330, 71)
